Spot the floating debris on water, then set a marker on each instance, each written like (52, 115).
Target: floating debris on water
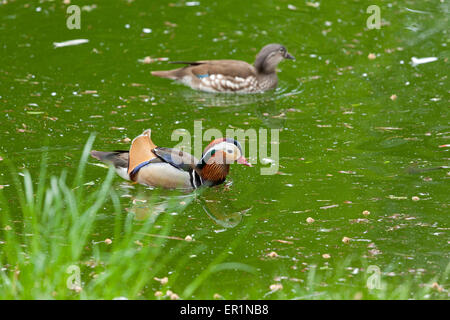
(89, 92)
(437, 287)
(148, 59)
(359, 220)
(163, 281)
(388, 128)
(276, 287)
(192, 3)
(313, 4)
(267, 161)
(89, 8)
(309, 220)
(392, 197)
(374, 252)
(417, 61)
(75, 42)
(174, 296)
(329, 207)
(283, 241)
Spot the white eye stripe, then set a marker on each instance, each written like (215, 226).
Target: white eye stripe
(221, 146)
(226, 146)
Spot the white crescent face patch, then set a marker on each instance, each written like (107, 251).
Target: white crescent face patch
(231, 151)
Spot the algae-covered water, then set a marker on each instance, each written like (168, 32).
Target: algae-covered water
(362, 177)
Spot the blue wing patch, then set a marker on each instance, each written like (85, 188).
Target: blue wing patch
(202, 75)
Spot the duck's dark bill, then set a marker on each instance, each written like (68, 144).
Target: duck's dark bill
(289, 56)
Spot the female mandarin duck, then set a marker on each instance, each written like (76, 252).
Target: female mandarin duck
(231, 75)
(150, 165)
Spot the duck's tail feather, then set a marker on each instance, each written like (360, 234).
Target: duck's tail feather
(118, 159)
(169, 74)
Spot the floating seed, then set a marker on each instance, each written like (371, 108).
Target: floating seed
(276, 287)
(309, 220)
(346, 240)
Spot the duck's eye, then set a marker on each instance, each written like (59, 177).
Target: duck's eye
(282, 49)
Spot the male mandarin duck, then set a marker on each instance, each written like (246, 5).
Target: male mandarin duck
(231, 75)
(147, 164)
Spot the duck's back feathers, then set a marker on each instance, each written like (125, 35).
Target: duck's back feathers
(214, 75)
(177, 158)
(226, 68)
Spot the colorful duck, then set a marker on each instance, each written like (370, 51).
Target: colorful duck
(147, 164)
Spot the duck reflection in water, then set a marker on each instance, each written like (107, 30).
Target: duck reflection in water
(221, 210)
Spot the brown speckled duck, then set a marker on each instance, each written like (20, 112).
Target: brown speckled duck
(231, 75)
(147, 164)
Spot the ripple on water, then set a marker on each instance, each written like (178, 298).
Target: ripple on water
(207, 99)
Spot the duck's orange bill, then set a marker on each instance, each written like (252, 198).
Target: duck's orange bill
(244, 161)
(140, 151)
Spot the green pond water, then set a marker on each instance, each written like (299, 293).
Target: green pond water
(360, 128)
